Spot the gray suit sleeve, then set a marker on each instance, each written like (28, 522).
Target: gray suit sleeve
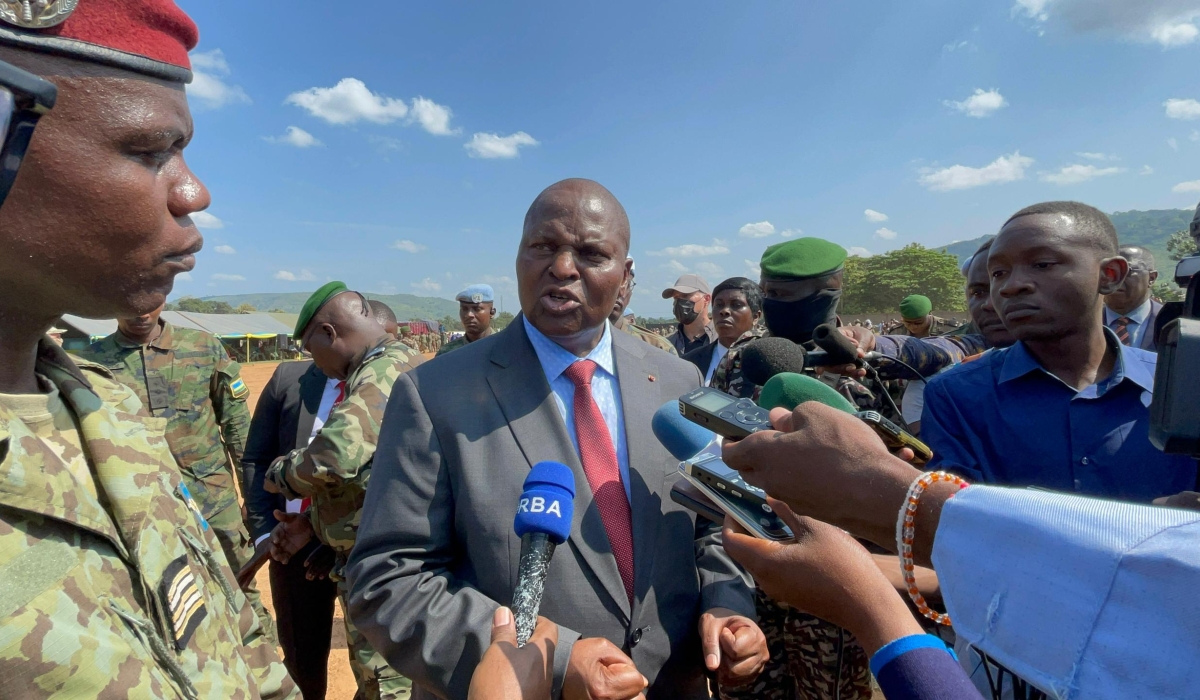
(404, 593)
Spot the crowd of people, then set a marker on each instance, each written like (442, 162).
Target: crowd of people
(383, 479)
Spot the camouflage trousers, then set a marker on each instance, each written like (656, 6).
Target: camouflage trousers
(376, 680)
(231, 532)
(804, 661)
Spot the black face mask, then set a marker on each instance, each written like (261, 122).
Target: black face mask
(685, 311)
(795, 320)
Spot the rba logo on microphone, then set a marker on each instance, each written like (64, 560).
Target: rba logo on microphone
(537, 504)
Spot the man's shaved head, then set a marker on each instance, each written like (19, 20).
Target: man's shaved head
(580, 199)
(1087, 222)
(385, 316)
(1138, 257)
(341, 333)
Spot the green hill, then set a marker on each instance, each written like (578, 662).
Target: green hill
(1149, 229)
(406, 306)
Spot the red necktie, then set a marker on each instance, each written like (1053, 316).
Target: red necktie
(341, 385)
(599, 458)
(1121, 328)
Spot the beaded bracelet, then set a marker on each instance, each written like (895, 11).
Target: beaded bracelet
(905, 530)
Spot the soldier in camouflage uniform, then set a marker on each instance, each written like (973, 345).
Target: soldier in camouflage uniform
(112, 584)
(810, 658)
(620, 322)
(917, 319)
(346, 343)
(476, 310)
(185, 376)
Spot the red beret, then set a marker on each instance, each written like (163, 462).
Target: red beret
(152, 37)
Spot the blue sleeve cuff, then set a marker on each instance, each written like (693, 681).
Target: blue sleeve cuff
(898, 647)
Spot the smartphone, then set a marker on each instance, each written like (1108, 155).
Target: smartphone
(896, 437)
(711, 471)
(725, 415)
(762, 524)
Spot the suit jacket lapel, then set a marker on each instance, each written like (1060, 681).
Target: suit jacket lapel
(1151, 319)
(639, 401)
(312, 388)
(519, 384)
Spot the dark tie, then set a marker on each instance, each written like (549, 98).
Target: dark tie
(599, 458)
(1121, 328)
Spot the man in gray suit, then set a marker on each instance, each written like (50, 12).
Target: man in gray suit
(1131, 311)
(639, 581)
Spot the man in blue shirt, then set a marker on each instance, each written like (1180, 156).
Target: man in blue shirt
(1129, 311)
(1066, 408)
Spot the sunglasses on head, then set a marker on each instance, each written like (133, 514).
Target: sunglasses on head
(24, 98)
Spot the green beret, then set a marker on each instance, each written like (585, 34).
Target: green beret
(314, 304)
(915, 307)
(802, 258)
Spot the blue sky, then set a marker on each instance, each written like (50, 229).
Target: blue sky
(396, 145)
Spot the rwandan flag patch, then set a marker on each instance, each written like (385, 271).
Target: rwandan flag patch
(182, 600)
(239, 389)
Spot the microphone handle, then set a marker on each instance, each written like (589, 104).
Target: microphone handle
(536, 550)
(838, 347)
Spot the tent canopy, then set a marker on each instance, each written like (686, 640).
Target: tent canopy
(220, 325)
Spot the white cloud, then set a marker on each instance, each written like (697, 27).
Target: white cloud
(222, 277)
(1096, 156)
(1146, 170)
(1182, 109)
(859, 251)
(791, 233)
(183, 277)
(1172, 35)
(693, 250)
(958, 46)
(1173, 144)
(675, 267)
(1074, 174)
(1004, 169)
(427, 285)
(711, 270)
(875, 217)
(753, 269)
(295, 136)
(760, 230)
(886, 234)
(1195, 136)
(484, 145)
(349, 102)
(384, 144)
(980, 104)
(1192, 186)
(409, 246)
(203, 219)
(287, 276)
(225, 250)
(207, 86)
(432, 117)
(1169, 23)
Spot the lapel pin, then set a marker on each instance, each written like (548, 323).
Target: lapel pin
(651, 377)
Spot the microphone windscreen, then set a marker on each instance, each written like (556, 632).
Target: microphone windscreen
(840, 349)
(766, 357)
(547, 502)
(682, 438)
(789, 390)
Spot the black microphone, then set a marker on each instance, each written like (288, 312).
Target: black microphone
(766, 357)
(544, 517)
(839, 350)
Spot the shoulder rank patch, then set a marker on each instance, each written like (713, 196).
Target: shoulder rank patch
(238, 388)
(182, 601)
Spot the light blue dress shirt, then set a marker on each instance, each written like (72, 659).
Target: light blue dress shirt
(1137, 322)
(555, 359)
(1085, 598)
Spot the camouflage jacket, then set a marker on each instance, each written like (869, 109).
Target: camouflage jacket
(460, 342)
(186, 376)
(335, 467)
(940, 326)
(728, 377)
(125, 595)
(928, 356)
(649, 336)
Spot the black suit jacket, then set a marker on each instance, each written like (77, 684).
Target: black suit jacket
(283, 421)
(702, 357)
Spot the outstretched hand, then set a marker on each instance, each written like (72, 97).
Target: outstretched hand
(290, 536)
(508, 673)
